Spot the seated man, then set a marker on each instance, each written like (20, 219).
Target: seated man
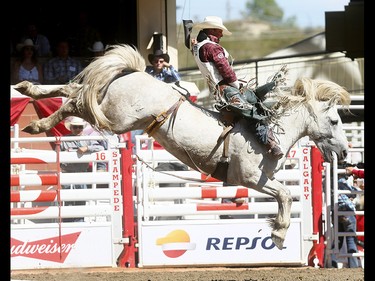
(76, 126)
(160, 67)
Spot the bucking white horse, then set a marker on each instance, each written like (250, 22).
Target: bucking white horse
(114, 93)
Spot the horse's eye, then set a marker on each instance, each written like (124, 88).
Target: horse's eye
(334, 122)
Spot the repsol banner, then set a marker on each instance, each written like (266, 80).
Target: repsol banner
(222, 244)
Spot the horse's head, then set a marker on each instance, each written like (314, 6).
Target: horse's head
(326, 130)
(328, 133)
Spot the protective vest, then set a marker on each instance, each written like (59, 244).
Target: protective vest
(207, 69)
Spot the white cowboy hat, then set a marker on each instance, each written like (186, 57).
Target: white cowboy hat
(75, 121)
(26, 43)
(212, 22)
(97, 47)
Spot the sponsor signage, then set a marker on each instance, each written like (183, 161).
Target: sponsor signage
(83, 246)
(233, 243)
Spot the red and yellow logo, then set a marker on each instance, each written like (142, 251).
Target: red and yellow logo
(175, 243)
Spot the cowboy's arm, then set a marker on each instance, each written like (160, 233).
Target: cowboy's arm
(172, 74)
(68, 145)
(94, 146)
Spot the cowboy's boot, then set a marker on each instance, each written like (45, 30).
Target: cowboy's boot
(274, 150)
(272, 146)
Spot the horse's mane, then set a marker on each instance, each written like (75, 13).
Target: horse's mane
(320, 90)
(305, 91)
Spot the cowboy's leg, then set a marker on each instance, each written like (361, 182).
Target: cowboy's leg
(242, 104)
(250, 96)
(265, 136)
(278, 79)
(261, 91)
(237, 102)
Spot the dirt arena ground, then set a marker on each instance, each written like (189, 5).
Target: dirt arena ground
(194, 274)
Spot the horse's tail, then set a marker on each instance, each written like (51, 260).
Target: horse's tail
(97, 76)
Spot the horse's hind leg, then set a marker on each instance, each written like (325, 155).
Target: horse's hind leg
(36, 92)
(45, 124)
(281, 222)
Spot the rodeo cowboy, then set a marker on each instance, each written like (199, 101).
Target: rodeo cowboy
(213, 62)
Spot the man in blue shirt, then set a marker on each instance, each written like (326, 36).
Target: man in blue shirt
(160, 67)
(62, 68)
(348, 223)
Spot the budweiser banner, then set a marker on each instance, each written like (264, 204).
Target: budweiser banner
(77, 246)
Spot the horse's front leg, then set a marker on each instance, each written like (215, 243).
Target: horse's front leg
(36, 92)
(45, 124)
(281, 222)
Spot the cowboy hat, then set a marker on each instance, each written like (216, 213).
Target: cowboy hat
(158, 53)
(212, 22)
(75, 121)
(97, 47)
(26, 43)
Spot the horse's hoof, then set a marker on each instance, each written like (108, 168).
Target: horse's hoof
(32, 128)
(23, 87)
(277, 240)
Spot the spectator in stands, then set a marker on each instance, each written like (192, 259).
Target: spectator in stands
(40, 41)
(27, 67)
(162, 70)
(360, 206)
(160, 67)
(358, 182)
(111, 140)
(348, 223)
(81, 147)
(62, 68)
(97, 49)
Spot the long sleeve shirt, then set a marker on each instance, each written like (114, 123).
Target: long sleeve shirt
(358, 173)
(168, 75)
(61, 71)
(92, 146)
(215, 54)
(345, 202)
